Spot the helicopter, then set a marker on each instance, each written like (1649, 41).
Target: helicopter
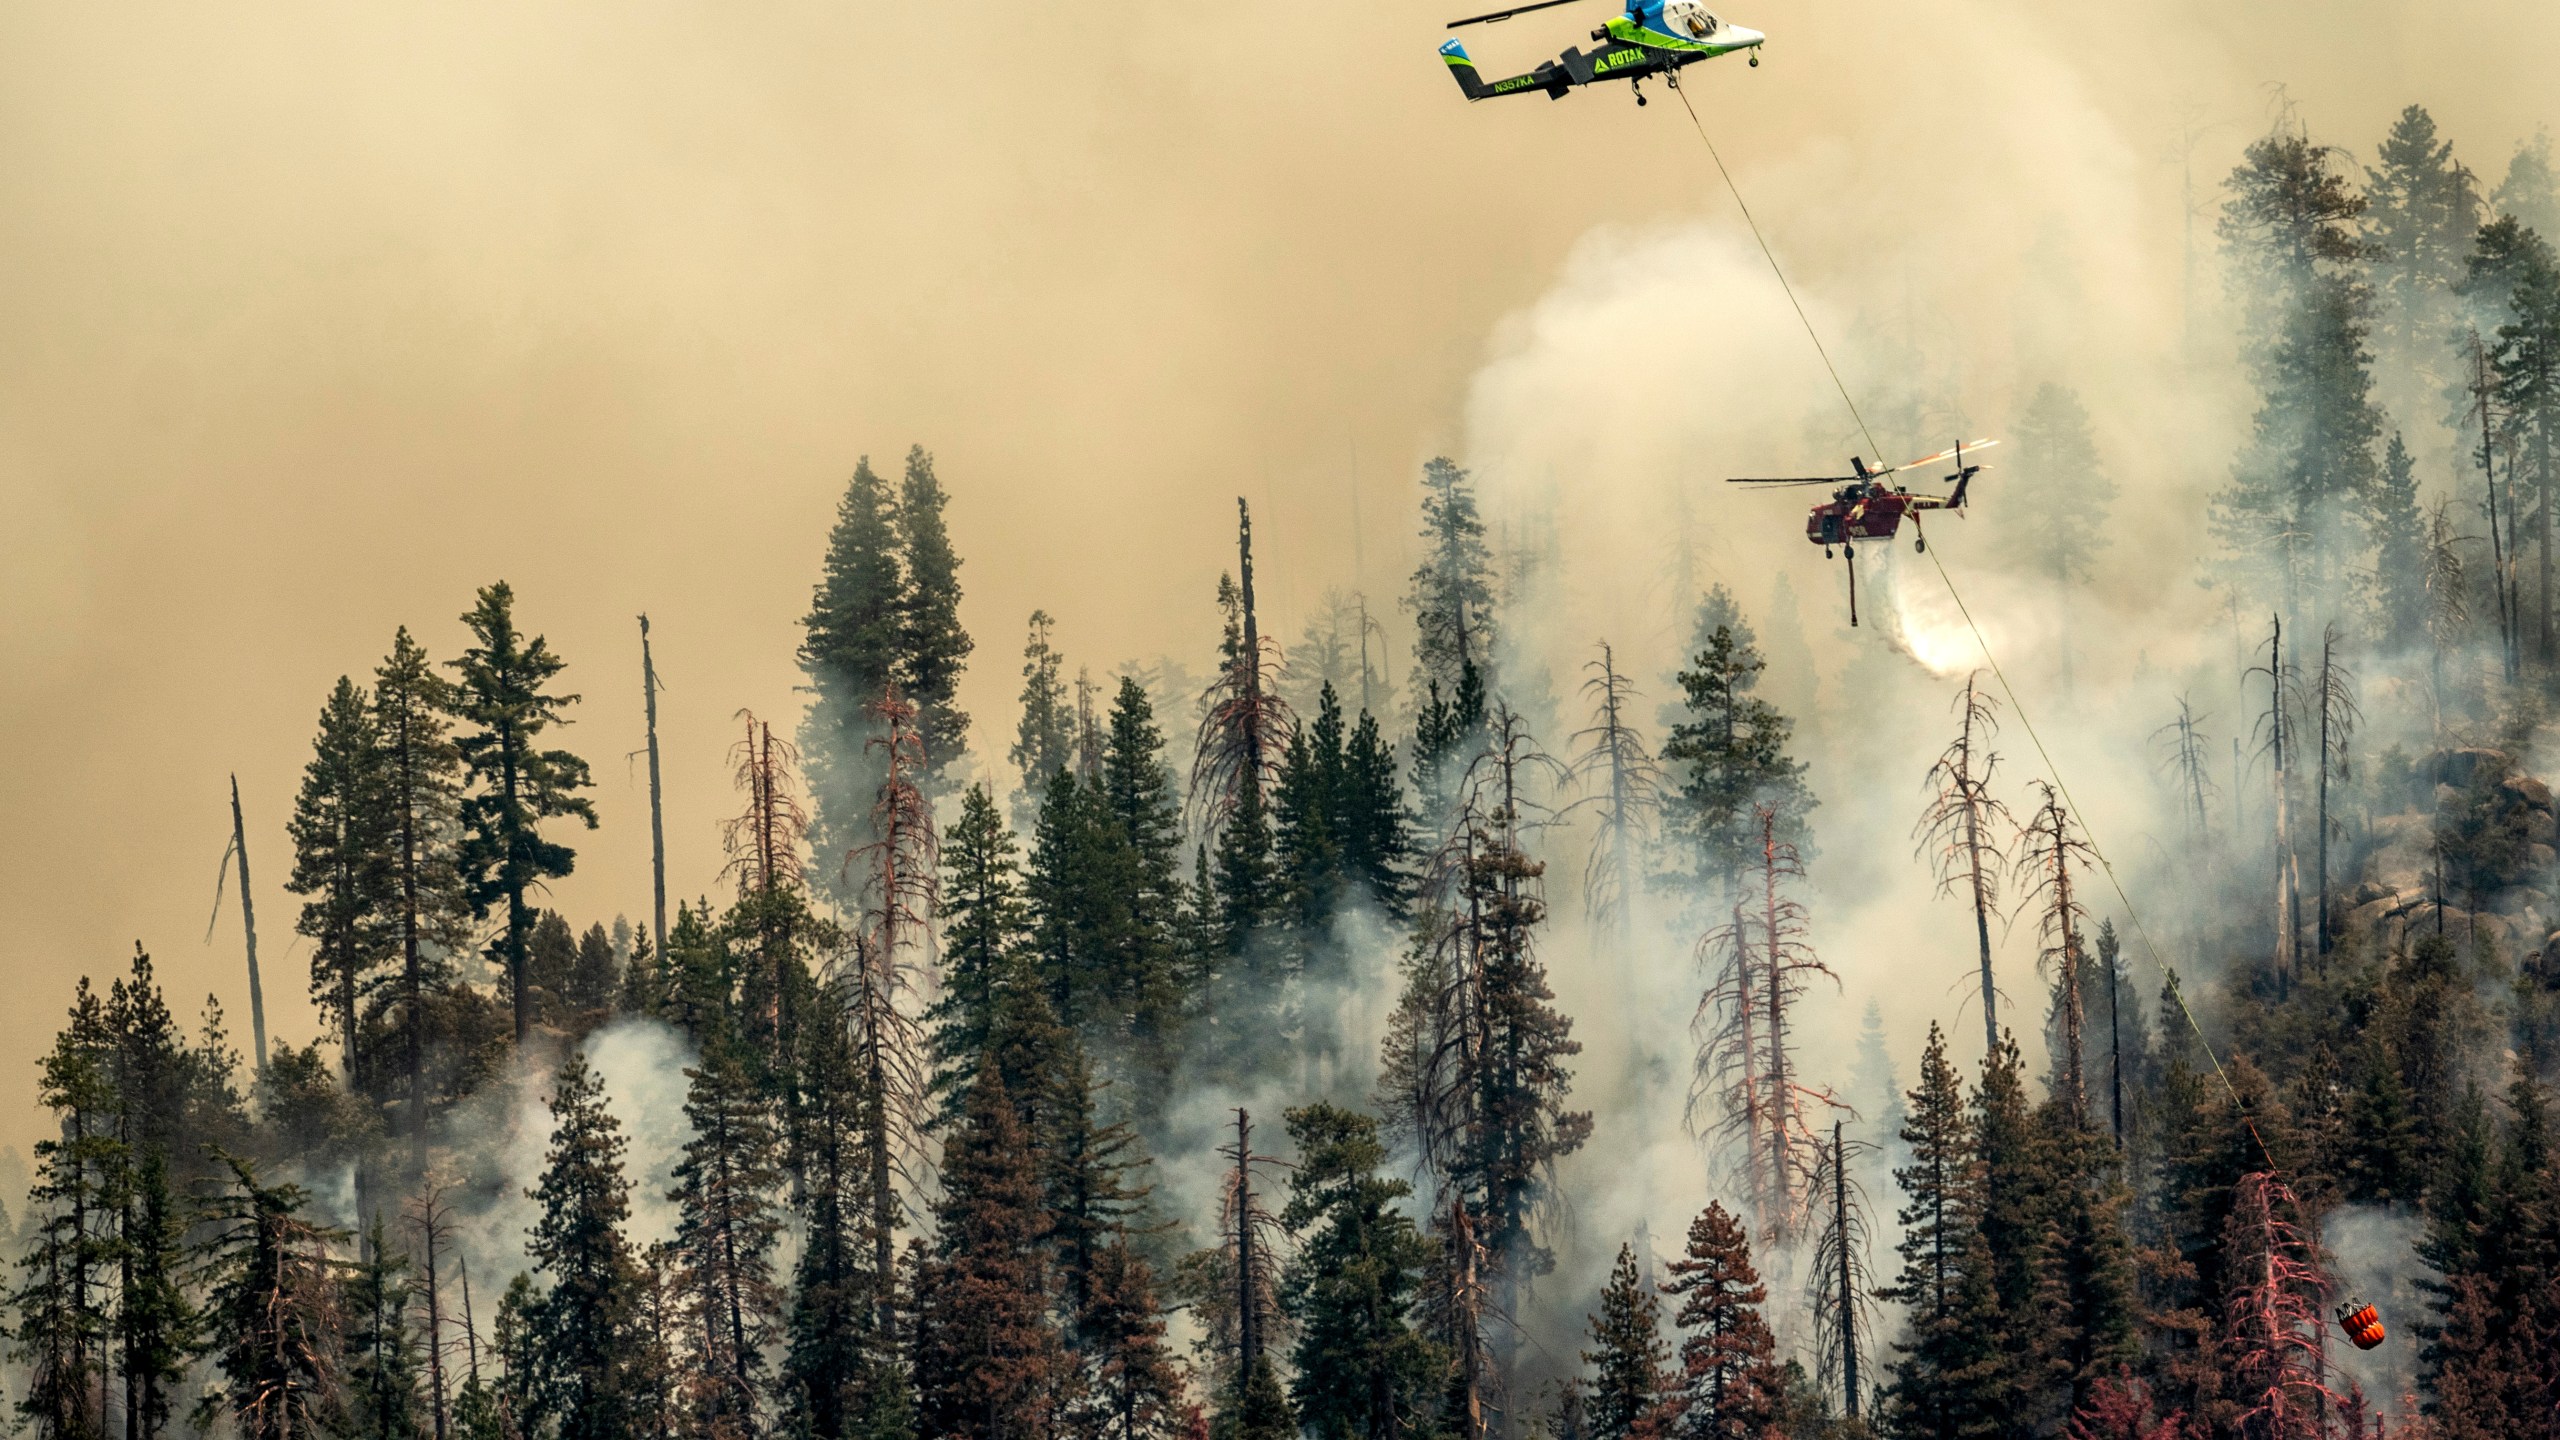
(1653, 37)
(1869, 506)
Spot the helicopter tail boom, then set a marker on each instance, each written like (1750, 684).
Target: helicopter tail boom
(1476, 89)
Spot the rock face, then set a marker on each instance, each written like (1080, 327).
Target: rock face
(2489, 828)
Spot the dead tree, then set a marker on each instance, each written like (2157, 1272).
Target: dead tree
(1244, 724)
(2276, 741)
(249, 923)
(1624, 784)
(2503, 539)
(2185, 740)
(432, 1220)
(2050, 848)
(1761, 962)
(1249, 1234)
(1089, 746)
(1840, 1286)
(2448, 601)
(2333, 694)
(763, 845)
(763, 842)
(2271, 1343)
(1961, 826)
(649, 688)
(876, 982)
(1455, 1309)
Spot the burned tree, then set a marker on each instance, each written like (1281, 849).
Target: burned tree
(2050, 849)
(772, 919)
(2276, 741)
(2333, 694)
(2186, 743)
(1961, 827)
(1760, 962)
(876, 982)
(1244, 724)
(2448, 601)
(429, 1216)
(1248, 1239)
(1840, 1283)
(1475, 1073)
(1625, 787)
(2269, 1345)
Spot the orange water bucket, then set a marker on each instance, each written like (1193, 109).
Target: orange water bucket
(2362, 1323)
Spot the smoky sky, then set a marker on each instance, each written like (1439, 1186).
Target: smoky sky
(315, 317)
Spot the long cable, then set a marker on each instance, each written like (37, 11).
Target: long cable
(2176, 992)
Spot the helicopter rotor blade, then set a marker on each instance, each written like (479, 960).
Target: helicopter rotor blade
(1498, 16)
(1791, 480)
(1947, 454)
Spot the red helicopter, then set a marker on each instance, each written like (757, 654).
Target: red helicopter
(1869, 506)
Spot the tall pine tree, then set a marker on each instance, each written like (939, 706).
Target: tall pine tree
(501, 696)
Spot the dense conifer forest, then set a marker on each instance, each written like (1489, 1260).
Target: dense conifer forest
(1190, 1064)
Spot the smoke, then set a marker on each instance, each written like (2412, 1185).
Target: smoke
(2373, 1258)
(501, 1143)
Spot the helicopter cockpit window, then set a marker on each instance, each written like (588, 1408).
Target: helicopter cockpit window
(1687, 17)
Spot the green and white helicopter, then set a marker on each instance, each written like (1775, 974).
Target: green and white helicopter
(1653, 37)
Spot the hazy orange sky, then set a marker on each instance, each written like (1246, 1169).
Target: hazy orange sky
(313, 317)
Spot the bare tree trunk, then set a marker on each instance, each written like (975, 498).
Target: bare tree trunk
(249, 928)
(1848, 1291)
(657, 819)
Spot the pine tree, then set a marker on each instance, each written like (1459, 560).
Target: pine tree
(658, 1371)
(1623, 1399)
(1044, 740)
(338, 861)
(933, 649)
(2065, 490)
(1137, 801)
(516, 784)
(1728, 753)
(2530, 192)
(2296, 272)
(1950, 1377)
(1305, 808)
(1088, 1180)
(726, 1228)
(1451, 598)
(2524, 368)
(1361, 1370)
(274, 1310)
(61, 1334)
(381, 1376)
(1476, 1073)
(1372, 825)
(852, 638)
(2015, 1192)
(158, 1328)
(1130, 1385)
(1728, 1386)
(422, 800)
(984, 926)
(594, 979)
(2397, 531)
(2422, 206)
(582, 1326)
(986, 1356)
(841, 1372)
